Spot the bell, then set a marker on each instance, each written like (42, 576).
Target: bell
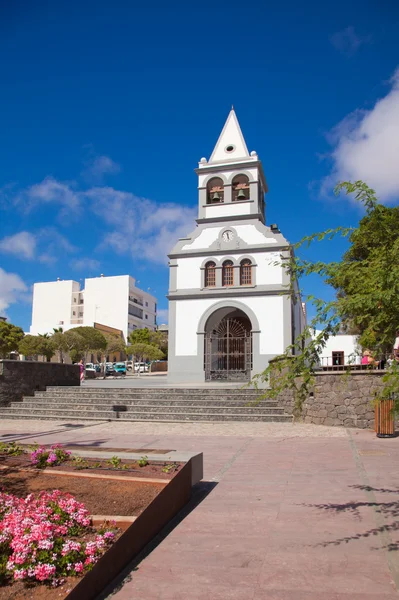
(216, 197)
(241, 195)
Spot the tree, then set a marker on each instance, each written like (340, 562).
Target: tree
(365, 281)
(29, 345)
(10, 336)
(115, 344)
(144, 352)
(140, 336)
(92, 340)
(60, 343)
(160, 340)
(74, 345)
(45, 346)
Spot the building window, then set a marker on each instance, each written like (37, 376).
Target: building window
(80, 314)
(74, 299)
(227, 273)
(73, 313)
(210, 274)
(215, 191)
(246, 272)
(135, 312)
(146, 316)
(240, 188)
(146, 303)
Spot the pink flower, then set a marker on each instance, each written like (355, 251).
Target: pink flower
(79, 567)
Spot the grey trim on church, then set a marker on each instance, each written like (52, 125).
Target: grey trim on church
(231, 291)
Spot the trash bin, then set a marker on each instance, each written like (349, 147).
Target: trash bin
(384, 418)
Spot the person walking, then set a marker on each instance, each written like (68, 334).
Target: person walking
(396, 347)
(82, 371)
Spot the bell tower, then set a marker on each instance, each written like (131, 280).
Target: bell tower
(231, 306)
(231, 184)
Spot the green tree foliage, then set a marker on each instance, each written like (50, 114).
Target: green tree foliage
(114, 344)
(10, 336)
(140, 336)
(79, 341)
(60, 343)
(159, 339)
(93, 339)
(37, 345)
(29, 345)
(365, 280)
(144, 352)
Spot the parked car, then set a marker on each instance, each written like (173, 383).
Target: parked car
(120, 367)
(129, 365)
(90, 372)
(141, 367)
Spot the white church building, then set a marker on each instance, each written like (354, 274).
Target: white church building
(230, 307)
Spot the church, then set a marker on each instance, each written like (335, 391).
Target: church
(230, 306)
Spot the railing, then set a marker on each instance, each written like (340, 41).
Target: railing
(131, 299)
(76, 321)
(354, 362)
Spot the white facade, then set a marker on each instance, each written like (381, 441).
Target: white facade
(112, 301)
(341, 347)
(230, 309)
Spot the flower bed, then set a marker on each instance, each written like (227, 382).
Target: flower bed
(59, 458)
(46, 538)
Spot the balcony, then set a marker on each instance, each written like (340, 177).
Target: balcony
(135, 300)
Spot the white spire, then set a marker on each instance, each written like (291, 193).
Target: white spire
(231, 144)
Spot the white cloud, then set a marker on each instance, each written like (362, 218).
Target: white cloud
(142, 227)
(162, 316)
(366, 146)
(100, 166)
(49, 191)
(12, 288)
(348, 41)
(85, 264)
(22, 244)
(145, 229)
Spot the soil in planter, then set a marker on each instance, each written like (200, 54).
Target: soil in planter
(130, 467)
(100, 496)
(19, 591)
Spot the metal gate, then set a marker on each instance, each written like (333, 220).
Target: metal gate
(228, 352)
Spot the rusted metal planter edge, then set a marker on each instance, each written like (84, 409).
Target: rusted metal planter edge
(162, 509)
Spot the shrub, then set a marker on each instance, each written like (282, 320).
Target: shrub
(35, 538)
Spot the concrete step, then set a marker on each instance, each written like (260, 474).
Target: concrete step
(67, 415)
(66, 390)
(81, 397)
(76, 400)
(59, 408)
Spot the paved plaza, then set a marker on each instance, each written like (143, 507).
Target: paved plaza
(285, 511)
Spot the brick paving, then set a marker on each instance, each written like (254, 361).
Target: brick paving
(286, 512)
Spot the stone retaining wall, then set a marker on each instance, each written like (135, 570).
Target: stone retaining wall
(339, 399)
(22, 378)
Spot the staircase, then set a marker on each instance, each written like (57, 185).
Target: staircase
(145, 404)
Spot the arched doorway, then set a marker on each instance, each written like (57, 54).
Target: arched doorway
(228, 346)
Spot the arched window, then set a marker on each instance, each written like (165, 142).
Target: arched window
(245, 272)
(227, 273)
(240, 188)
(210, 274)
(215, 191)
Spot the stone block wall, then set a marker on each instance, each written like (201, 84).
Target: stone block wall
(22, 378)
(339, 399)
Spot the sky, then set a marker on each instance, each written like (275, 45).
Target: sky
(107, 107)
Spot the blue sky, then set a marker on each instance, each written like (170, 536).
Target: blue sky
(107, 107)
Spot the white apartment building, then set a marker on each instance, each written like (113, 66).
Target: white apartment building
(112, 301)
